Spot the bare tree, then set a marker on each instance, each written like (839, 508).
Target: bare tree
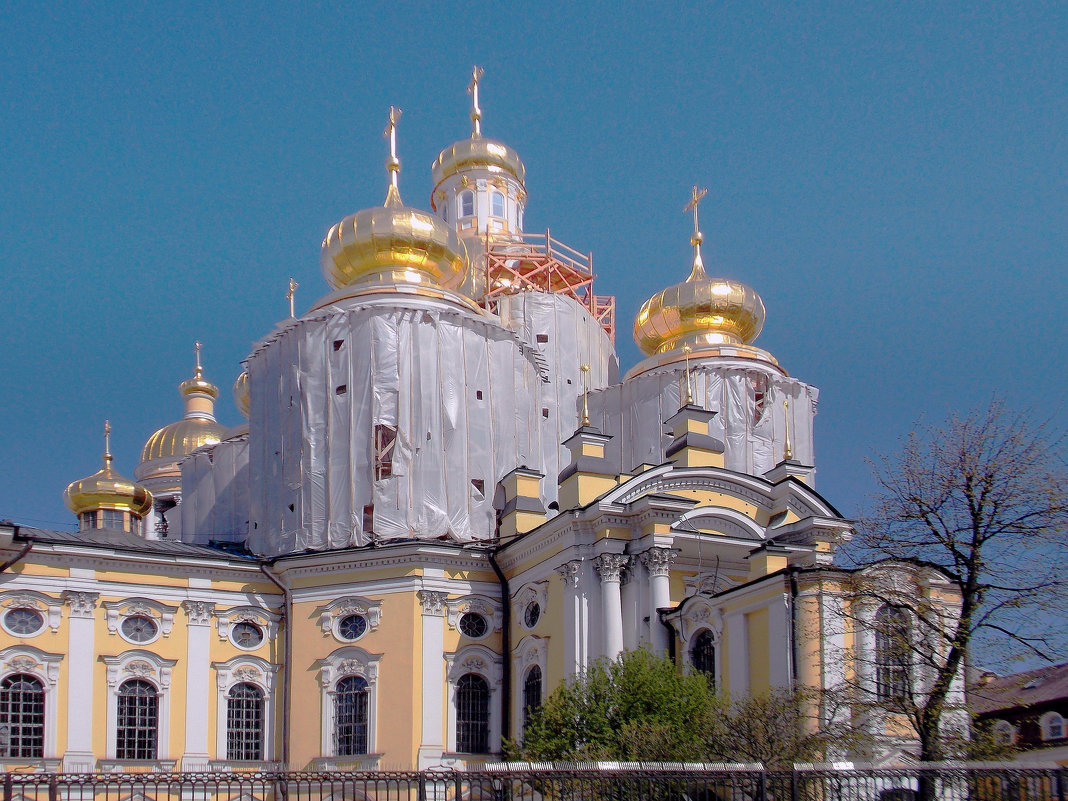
(982, 501)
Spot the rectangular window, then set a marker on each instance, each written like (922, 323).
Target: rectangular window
(385, 439)
(244, 723)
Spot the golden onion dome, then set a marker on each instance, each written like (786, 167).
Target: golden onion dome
(198, 427)
(241, 394)
(700, 311)
(477, 153)
(393, 243)
(106, 489)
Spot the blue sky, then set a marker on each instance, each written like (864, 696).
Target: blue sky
(891, 178)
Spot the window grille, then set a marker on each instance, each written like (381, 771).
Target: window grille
(137, 720)
(703, 655)
(472, 714)
(244, 722)
(22, 715)
(891, 654)
(531, 693)
(350, 716)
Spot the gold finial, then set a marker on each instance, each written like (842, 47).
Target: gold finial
(107, 443)
(788, 452)
(476, 111)
(197, 370)
(393, 163)
(585, 368)
(687, 397)
(292, 293)
(696, 238)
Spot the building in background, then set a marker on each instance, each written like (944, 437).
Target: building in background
(445, 502)
(1028, 710)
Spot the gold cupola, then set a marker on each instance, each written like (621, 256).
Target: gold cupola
(707, 316)
(392, 245)
(107, 500)
(477, 152)
(241, 394)
(170, 444)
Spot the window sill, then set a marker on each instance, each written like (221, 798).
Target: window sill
(242, 766)
(345, 763)
(28, 765)
(137, 765)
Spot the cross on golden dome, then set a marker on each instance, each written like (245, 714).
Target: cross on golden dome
(696, 238)
(107, 442)
(393, 163)
(291, 294)
(198, 371)
(476, 111)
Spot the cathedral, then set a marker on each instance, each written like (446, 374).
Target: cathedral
(446, 501)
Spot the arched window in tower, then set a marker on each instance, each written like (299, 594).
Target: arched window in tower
(472, 714)
(244, 722)
(137, 720)
(467, 204)
(892, 650)
(22, 714)
(531, 693)
(497, 204)
(703, 655)
(350, 716)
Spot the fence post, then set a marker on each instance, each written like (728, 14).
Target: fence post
(795, 794)
(53, 789)
(8, 786)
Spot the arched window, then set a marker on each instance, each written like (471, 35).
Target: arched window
(467, 204)
(497, 204)
(350, 716)
(892, 651)
(531, 693)
(244, 722)
(472, 714)
(1004, 732)
(1052, 725)
(703, 655)
(22, 716)
(137, 720)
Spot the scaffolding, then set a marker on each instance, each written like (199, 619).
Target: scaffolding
(537, 262)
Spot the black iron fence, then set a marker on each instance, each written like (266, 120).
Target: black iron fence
(585, 782)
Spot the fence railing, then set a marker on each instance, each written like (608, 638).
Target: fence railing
(581, 782)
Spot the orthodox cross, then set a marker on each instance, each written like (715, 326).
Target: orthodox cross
(476, 112)
(107, 442)
(292, 293)
(788, 452)
(696, 238)
(585, 368)
(687, 397)
(196, 351)
(393, 163)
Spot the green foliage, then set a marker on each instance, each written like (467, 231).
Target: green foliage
(641, 707)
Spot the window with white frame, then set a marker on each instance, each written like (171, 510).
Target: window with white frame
(892, 654)
(703, 655)
(467, 203)
(529, 661)
(1052, 725)
(1004, 732)
(472, 714)
(138, 712)
(247, 627)
(350, 617)
(497, 204)
(349, 681)
(474, 677)
(532, 690)
(27, 613)
(139, 621)
(137, 721)
(28, 709)
(246, 707)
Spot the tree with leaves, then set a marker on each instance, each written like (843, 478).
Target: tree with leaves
(983, 500)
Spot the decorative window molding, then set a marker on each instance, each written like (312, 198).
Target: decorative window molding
(245, 669)
(337, 610)
(1004, 732)
(147, 666)
(1052, 725)
(480, 660)
(489, 608)
(267, 620)
(532, 651)
(44, 667)
(348, 661)
(119, 611)
(50, 608)
(534, 593)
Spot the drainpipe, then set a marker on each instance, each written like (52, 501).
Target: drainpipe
(17, 557)
(793, 627)
(506, 648)
(287, 664)
(8, 532)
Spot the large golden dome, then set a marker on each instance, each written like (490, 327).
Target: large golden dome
(169, 445)
(699, 312)
(106, 489)
(393, 243)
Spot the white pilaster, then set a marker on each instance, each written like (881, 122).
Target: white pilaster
(432, 746)
(780, 643)
(197, 681)
(609, 567)
(78, 757)
(657, 562)
(738, 654)
(570, 574)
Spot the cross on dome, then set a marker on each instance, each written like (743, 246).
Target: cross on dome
(476, 111)
(696, 238)
(393, 164)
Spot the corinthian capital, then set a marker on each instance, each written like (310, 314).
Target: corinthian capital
(433, 602)
(658, 560)
(82, 604)
(609, 566)
(569, 572)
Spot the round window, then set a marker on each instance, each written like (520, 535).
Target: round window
(532, 614)
(138, 628)
(351, 627)
(473, 625)
(23, 621)
(246, 635)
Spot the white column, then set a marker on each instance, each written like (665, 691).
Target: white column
(432, 678)
(197, 687)
(609, 567)
(570, 574)
(737, 654)
(658, 562)
(82, 655)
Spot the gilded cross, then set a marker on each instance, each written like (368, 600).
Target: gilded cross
(292, 293)
(476, 112)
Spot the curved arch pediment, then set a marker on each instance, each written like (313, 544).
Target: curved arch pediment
(722, 520)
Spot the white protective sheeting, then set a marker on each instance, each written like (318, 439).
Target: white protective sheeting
(754, 433)
(215, 493)
(468, 399)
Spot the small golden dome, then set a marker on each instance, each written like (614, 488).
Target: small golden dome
(241, 396)
(700, 311)
(106, 489)
(393, 243)
(477, 153)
